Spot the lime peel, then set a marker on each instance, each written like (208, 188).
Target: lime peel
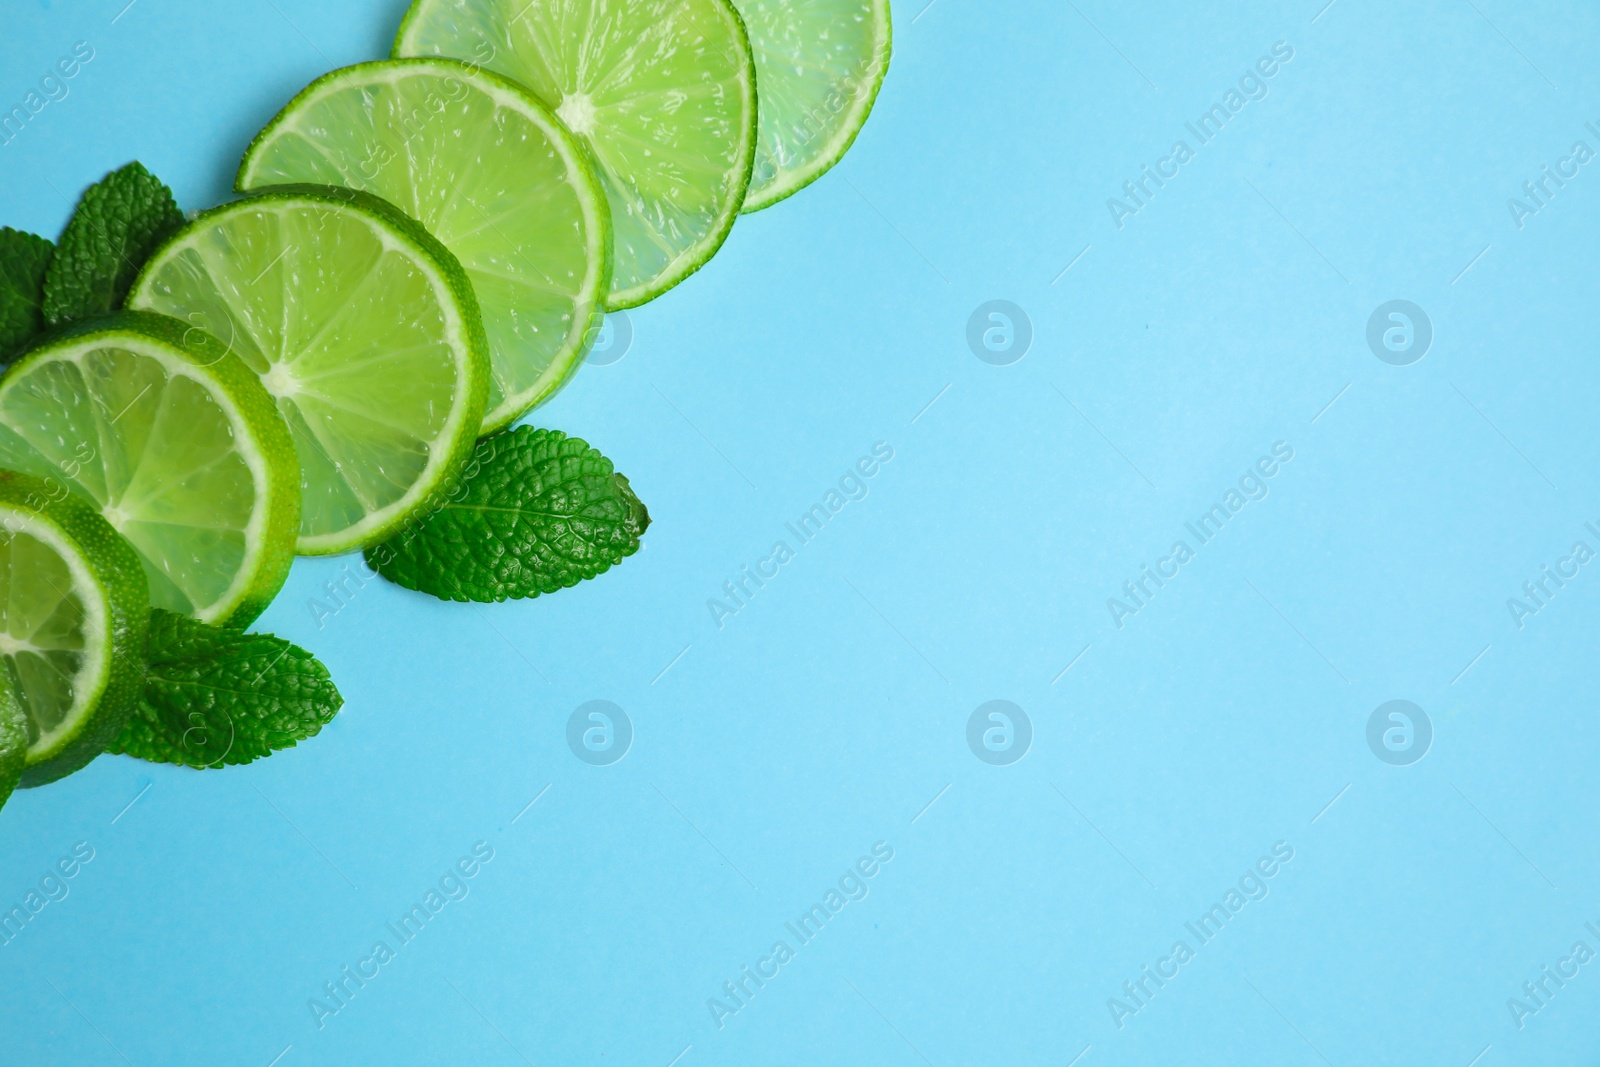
(75, 660)
(371, 314)
(666, 93)
(505, 187)
(177, 447)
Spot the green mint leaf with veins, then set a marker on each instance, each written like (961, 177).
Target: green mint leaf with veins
(536, 511)
(24, 258)
(121, 220)
(215, 696)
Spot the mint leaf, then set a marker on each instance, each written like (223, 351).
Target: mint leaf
(24, 259)
(536, 511)
(119, 222)
(214, 696)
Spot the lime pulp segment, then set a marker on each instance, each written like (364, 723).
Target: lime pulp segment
(662, 92)
(53, 627)
(175, 444)
(490, 173)
(364, 330)
(73, 618)
(819, 64)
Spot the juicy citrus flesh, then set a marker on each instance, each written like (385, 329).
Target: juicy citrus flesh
(819, 64)
(151, 442)
(662, 92)
(53, 626)
(354, 333)
(489, 172)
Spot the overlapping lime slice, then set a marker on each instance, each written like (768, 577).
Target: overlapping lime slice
(177, 445)
(74, 615)
(364, 329)
(819, 64)
(492, 174)
(662, 93)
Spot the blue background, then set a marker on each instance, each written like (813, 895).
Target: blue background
(1227, 715)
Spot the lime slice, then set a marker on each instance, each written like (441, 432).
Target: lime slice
(363, 328)
(74, 614)
(492, 174)
(819, 64)
(663, 94)
(176, 444)
(13, 738)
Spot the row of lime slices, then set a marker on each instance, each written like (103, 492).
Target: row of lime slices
(426, 249)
